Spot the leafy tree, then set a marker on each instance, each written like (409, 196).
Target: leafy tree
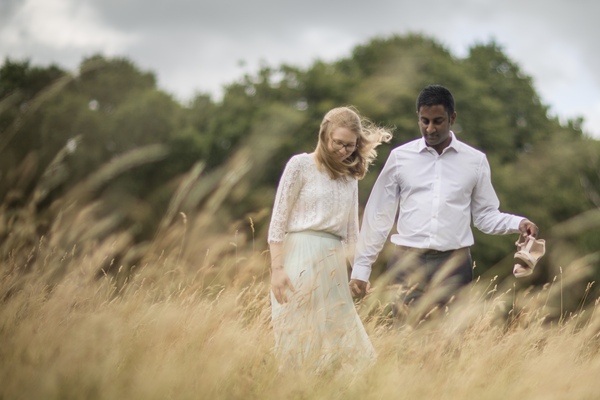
(506, 116)
(58, 129)
(23, 91)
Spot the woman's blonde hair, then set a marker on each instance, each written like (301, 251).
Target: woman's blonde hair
(368, 135)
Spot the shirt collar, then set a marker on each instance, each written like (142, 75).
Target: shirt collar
(454, 144)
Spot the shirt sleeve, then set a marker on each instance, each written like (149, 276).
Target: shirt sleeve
(378, 219)
(485, 206)
(287, 193)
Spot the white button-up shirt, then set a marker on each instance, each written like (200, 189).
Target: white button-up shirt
(435, 196)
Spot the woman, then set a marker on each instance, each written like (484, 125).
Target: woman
(313, 228)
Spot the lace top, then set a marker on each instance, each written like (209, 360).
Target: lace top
(308, 199)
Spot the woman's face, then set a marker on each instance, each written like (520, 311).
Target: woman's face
(342, 142)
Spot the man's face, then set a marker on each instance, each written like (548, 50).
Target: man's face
(435, 123)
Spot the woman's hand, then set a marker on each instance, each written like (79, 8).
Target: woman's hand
(280, 284)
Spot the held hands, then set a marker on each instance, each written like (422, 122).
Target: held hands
(280, 284)
(358, 288)
(528, 228)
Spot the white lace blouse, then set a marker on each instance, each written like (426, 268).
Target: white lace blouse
(308, 199)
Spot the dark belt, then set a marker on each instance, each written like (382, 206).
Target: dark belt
(426, 251)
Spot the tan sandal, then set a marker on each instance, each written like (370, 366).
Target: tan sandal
(529, 252)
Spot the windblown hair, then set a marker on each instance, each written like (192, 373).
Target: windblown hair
(434, 95)
(369, 136)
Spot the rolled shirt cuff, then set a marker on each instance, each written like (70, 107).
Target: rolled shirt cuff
(516, 222)
(360, 273)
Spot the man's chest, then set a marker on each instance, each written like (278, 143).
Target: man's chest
(448, 177)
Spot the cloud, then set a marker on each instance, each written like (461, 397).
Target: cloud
(196, 45)
(56, 26)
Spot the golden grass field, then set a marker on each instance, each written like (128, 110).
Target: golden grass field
(88, 312)
(175, 330)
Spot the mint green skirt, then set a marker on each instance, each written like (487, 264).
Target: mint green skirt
(319, 327)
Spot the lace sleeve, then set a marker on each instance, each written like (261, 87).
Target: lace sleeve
(287, 193)
(352, 231)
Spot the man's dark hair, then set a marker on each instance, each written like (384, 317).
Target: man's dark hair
(434, 95)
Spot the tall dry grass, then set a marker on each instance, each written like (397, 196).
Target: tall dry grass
(175, 331)
(190, 319)
(87, 313)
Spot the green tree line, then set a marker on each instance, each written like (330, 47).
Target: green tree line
(108, 124)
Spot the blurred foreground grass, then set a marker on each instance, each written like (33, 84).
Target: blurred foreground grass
(88, 310)
(169, 331)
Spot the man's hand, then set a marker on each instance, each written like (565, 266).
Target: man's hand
(358, 288)
(280, 283)
(528, 228)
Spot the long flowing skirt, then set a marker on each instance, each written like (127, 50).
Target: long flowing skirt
(319, 327)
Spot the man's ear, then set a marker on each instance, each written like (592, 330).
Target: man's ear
(453, 118)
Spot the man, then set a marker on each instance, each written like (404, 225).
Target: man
(435, 183)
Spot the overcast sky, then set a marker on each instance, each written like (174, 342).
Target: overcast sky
(200, 45)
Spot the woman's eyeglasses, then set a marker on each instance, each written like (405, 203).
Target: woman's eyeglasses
(337, 145)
